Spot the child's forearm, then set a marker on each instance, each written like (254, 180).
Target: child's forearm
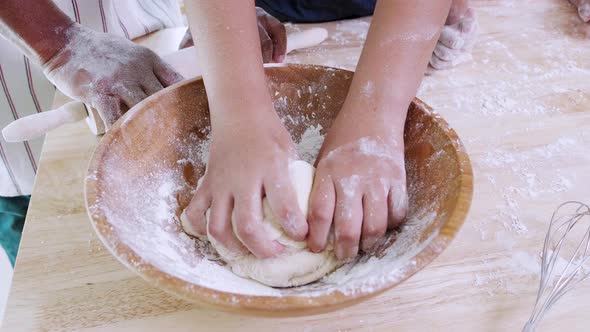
(396, 54)
(37, 27)
(228, 46)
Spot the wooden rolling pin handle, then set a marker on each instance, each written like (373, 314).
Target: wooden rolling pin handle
(307, 38)
(37, 125)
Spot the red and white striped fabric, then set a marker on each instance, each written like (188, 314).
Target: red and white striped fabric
(24, 90)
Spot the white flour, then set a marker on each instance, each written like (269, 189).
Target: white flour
(310, 143)
(372, 147)
(368, 89)
(428, 33)
(526, 263)
(350, 30)
(349, 185)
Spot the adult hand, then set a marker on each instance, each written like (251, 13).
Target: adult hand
(583, 7)
(456, 39)
(273, 37)
(107, 72)
(360, 183)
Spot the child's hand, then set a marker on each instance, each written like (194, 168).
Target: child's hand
(107, 72)
(248, 159)
(273, 37)
(583, 7)
(456, 39)
(360, 183)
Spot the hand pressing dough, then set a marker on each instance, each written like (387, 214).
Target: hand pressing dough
(296, 265)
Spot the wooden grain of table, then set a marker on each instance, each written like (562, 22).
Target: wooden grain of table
(522, 108)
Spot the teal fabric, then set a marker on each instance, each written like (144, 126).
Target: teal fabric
(12, 219)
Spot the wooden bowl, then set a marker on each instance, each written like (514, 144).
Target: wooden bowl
(145, 169)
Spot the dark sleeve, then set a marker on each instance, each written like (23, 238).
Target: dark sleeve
(310, 11)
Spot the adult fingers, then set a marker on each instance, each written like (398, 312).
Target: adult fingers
(584, 11)
(219, 226)
(445, 53)
(468, 23)
(132, 96)
(277, 32)
(165, 73)
(397, 203)
(266, 44)
(469, 28)
(247, 224)
(151, 85)
(439, 64)
(374, 219)
(193, 218)
(109, 108)
(321, 212)
(451, 37)
(348, 219)
(282, 200)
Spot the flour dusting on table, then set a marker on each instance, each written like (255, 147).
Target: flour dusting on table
(525, 125)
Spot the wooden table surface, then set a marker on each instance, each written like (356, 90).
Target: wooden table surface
(522, 108)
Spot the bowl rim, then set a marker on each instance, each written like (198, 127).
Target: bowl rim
(291, 305)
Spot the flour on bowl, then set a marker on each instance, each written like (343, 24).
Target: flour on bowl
(147, 194)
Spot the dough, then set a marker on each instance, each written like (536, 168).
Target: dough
(296, 265)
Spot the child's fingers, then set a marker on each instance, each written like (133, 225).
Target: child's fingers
(193, 218)
(398, 206)
(374, 219)
(321, 212)
(219, 226)
(247, 224)
(282, 200)
(348, 219)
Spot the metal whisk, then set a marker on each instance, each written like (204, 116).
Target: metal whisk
(558, 280)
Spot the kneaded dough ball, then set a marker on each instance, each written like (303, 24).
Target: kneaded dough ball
(297, 265)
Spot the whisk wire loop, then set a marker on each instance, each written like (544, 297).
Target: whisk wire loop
(554, 284)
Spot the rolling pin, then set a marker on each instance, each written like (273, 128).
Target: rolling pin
(36, 125)
(183, 61)
(307, 38)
